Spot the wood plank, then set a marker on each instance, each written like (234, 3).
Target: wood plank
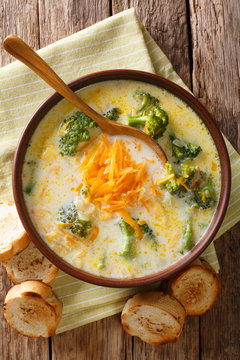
(167, 24)
(215, 42)
(104, 339)
(58, 19)
(14, 346)
(15, 14)
(219, 328)
(216, 51)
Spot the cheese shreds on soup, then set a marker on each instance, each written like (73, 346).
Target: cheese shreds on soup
(106, 204)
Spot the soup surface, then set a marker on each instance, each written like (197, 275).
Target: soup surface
(107, 204)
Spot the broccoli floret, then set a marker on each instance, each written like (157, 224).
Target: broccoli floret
(128, 237)
(69, 215)
(112, 114)
(182, 149)
(146, 230)
(169, 168)
(76, 131)
(149, 115)
(187, 170)
(204, 196)
(173, 186)
(148, 101)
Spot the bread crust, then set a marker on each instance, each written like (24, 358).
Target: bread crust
(196, 287)
(36, 299)
(30, 264)
(153, 316)
(21, 239)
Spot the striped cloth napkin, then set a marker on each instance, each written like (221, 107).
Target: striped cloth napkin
(122, 42)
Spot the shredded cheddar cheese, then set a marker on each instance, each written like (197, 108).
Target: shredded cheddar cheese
(61, 133)
(163, 180)
(183, 184)
(131, 222)
(114, 180)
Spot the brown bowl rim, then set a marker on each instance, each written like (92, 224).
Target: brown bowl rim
(119, 74)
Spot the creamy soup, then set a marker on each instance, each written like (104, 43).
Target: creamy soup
(106, 204)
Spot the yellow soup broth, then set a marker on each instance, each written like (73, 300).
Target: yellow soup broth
(111, 181)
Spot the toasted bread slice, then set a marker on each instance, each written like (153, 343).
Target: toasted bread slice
(197, 288)
(13, 236)
(32, 309)
(30, 264)
(154, 317)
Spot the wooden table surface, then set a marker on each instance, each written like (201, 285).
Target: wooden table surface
(201, 38)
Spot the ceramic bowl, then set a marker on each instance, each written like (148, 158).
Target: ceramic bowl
(225, 178)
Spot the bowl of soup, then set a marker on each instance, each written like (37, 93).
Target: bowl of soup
(104, 208)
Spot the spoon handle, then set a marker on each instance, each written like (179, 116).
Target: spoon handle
(20, 50)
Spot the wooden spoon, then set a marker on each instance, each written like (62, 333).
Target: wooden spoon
(20, 50)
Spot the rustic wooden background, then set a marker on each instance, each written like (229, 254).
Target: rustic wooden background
(201, 38)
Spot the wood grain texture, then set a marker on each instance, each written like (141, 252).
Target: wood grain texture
(101, 340)
(58, 19)
(167, 23)
(19, 17)
(219, 328)
(14, 346)
(215, 42)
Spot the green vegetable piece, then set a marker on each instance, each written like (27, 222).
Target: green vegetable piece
(69, 215)
(148, 102)
(85, 191)
(77, 131)
(201, 197)
(128, 237)
(182, 149)
(150, 114)
(112, 114)
(169, 168)
(29, 188)
(31, 183)
(187, 170)
(102, 261)
(173, 186)
(146, 230)
(205, 195)
(202, 225)
(187, 237)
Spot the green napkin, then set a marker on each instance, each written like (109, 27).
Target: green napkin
(122, 42)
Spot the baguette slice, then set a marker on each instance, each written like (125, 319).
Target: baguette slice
(13, 236)
(154, 317)
(32, 309)
(197, 288)
(30, 264)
